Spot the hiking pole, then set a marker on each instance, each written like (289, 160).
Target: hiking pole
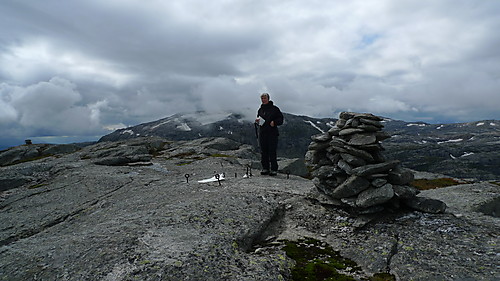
(257, 134)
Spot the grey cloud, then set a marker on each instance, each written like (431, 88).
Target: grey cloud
(105, 64)
(50, 108)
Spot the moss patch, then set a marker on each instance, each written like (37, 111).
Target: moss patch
(184, 155)
(317, 261)
(220, 155)
(425, 184)
(37, 185)
(383, 277)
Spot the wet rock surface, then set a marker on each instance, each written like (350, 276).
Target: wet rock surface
(70, 218)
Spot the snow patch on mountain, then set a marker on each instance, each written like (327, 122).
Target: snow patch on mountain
(463, 155)
(205, 118)
(314, 125)
(127, 132)
(183, 127)
(160, 124)
(448, 141)
(414, 124)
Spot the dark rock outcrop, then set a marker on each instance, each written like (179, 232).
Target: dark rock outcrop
(30, 152)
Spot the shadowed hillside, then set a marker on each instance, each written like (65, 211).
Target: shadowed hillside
(470, 150)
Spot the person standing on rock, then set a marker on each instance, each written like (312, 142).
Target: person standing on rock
(269, 117)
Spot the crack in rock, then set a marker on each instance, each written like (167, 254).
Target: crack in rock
(392, 253)
(31, 195)
(58, 220)
(268, 228)
(32, 232)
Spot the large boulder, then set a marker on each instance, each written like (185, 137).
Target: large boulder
(400, 175)
(295, 166)
(375, 168)
(375, 196)
(427, 205)
(352, 186)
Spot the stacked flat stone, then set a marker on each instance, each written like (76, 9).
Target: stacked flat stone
(347, 165)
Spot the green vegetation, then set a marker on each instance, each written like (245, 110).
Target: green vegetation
(37, 185)
(383, 277)
(315, 261)
(184, 155)
(220, 155)
(426, 184)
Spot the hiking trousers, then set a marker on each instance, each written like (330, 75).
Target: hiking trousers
(268, 146)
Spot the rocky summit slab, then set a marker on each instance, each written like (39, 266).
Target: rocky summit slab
(73, 219)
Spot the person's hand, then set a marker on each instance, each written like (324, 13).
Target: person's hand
(272, 123)
(257, 120)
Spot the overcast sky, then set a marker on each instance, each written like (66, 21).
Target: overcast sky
(82, 68)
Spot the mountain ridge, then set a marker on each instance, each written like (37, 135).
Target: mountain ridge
(457, 149)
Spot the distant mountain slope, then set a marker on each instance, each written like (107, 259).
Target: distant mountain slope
(294, 133)
(465, 150)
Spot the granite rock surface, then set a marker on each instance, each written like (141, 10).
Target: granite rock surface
(72, 218)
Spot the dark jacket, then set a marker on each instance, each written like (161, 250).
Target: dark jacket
(270, 112)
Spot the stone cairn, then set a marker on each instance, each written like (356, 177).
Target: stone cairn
(347, 166)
